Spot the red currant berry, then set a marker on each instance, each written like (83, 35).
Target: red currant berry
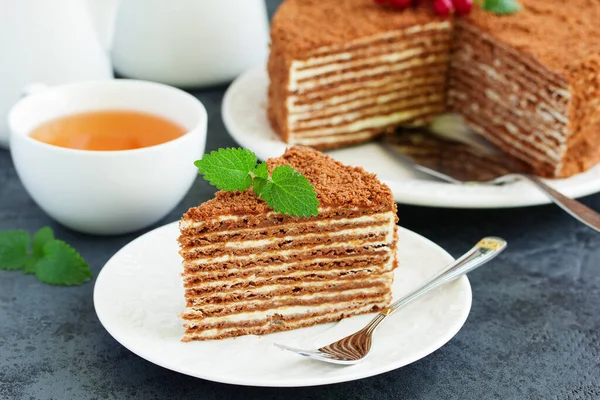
(463, 6)
(443, 7)
(380, 1)
(400, 3)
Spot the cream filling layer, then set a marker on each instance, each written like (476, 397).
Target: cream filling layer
(377, 121)
(246, 244)
(334, 312)
(365, 244)
(395, 54)
(546, 146)
(347, 115)
(519, 81)
(353, 75)
(383, 80)
(323, 286)
(401, 43)
(283, 271)
(287, 311)
(365, 90)
(547, 149)
(315, 141)
(410, 96)
(284, 267)
(499, 139)
(380, 217)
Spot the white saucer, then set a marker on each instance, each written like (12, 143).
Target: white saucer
(139, 293)
(244, 114)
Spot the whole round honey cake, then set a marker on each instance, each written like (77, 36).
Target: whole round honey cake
(250, 270)
(344, 71)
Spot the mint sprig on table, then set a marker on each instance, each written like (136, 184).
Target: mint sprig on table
(51, 260)
(501, 7)
(286, 190)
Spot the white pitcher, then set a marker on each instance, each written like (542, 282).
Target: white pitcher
(189, 43)
(51, 42)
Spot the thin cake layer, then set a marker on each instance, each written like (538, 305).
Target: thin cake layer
(218, 234)
(202, 304)
(247, 272)
(300, 317)
(324, 270)
(379, 84)
(316, 116)
(365, 237)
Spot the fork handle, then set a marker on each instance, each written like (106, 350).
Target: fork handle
(486, 249)
(576, 209)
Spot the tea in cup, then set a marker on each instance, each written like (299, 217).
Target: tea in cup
(107, 157)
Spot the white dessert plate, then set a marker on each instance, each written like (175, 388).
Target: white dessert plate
(139, 294)
(244, 114)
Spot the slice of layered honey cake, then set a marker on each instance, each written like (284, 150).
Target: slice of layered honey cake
(249, 268)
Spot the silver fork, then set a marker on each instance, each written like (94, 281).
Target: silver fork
(354, 348)
(449, 135)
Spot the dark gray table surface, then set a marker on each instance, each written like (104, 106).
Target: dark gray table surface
(533, 331)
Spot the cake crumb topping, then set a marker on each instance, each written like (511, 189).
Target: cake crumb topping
(556, 34)
(304, 25)
(335, 184)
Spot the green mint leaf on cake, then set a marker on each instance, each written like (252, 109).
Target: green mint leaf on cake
(502, 7)
(13, 249)
(42, 236)
(62, 265)
(261, 176)
(289, 192)
(286, 191)
(228, 169)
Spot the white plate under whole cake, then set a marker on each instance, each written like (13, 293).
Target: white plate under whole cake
(244, 113)
(139, 294)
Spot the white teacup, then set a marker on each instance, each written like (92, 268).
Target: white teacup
(107, 192)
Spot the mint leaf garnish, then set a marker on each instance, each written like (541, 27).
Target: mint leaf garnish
(13, 249)
(62, 265)
(502, 7)
(52, 261)
(228, 169)
(289, 192)
(261, 176)
(42, 236)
